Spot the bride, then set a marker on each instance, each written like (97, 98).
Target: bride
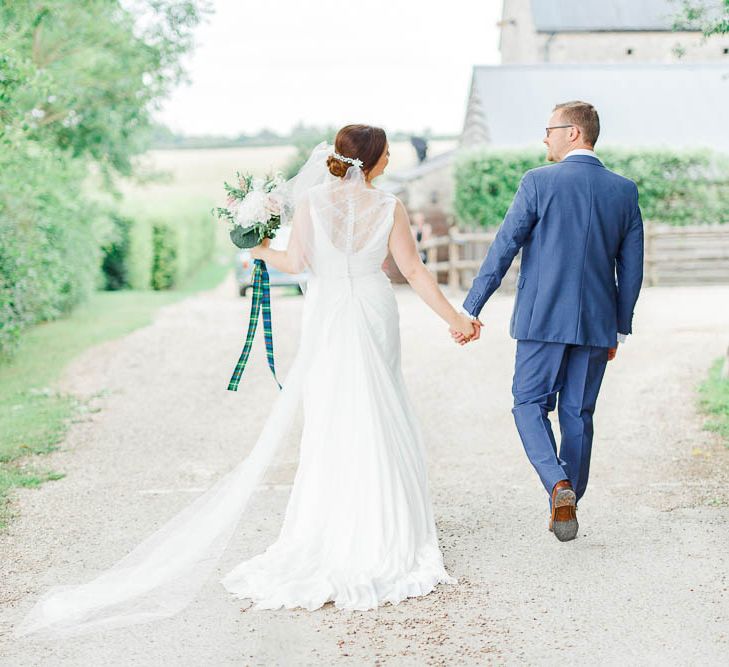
(358, 529)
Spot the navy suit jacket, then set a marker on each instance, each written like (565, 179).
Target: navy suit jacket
(581, 233)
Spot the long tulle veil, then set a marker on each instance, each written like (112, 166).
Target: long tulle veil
(163, 574)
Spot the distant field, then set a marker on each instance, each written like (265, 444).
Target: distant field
(193, 182)
(197, 175)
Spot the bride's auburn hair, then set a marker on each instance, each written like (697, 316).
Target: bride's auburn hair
(361, 142)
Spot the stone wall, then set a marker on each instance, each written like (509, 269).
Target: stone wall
(522, 44)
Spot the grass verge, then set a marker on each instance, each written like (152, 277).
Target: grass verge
(34, 416)
(714, 401)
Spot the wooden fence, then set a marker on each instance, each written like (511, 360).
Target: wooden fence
(695, 255)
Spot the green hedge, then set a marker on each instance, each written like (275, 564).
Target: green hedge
(677, 188)
(164, 264)
(49, 239)
(78, 82)
(114, 266)
(157, 252)
(55, 248)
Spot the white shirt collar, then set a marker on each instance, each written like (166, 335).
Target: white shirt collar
(582, 151)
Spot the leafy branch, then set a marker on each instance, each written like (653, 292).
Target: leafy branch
(711, 18)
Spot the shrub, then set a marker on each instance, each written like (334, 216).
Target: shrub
(165, 267)
(141, 254)
(157, 252)
(677, 188)
(77, 85)
(115, 263)
(486, 182)
(195, 235)
(49, 239)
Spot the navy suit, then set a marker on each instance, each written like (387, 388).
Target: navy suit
(580, 230)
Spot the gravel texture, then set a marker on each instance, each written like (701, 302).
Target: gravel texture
(645, 582)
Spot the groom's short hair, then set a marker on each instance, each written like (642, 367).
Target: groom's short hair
(584, 115)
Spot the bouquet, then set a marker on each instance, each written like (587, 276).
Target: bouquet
(253, 209)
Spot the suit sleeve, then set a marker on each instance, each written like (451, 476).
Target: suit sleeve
(510, 237)
(629, 269)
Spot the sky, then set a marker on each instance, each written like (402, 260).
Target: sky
(401, 64)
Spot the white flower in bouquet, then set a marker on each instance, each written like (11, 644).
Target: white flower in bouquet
(253, 209)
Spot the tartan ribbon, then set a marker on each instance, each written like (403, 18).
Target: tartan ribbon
(261, 302)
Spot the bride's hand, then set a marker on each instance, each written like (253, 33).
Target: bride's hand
(462, 325)
(256, 250)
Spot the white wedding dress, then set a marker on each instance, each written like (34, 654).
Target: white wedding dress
(359, 528)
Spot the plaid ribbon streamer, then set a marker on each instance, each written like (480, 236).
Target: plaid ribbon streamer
(261, 302)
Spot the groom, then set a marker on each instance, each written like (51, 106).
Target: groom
(581, 234)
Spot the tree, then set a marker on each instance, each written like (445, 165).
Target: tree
(92, 71)
(712, 18)
(78, 83)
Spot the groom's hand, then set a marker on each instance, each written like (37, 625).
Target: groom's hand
(612, 352)
(459, 338)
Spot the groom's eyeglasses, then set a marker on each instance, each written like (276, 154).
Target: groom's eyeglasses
(555, 127)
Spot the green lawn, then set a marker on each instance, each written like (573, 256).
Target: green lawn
(714, 401)
(34, 416)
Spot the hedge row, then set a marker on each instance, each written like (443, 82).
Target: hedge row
(49, 239)
(677, 188)
(156, 253)
(56, 245)
(78, 83)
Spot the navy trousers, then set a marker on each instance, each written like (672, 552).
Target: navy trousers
(547, 375)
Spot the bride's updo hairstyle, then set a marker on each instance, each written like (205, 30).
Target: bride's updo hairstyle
(360, 142)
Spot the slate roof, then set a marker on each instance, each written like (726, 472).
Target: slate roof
(672, 105)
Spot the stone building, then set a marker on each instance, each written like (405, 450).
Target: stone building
(653, 86)
(602, 31)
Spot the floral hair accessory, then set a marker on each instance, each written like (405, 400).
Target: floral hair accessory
(350, 160)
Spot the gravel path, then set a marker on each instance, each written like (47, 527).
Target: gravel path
(644, 583)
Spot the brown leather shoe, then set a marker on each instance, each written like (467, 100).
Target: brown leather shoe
(563, 522)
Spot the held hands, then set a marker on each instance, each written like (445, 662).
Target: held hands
(464, 330)
(256, 251)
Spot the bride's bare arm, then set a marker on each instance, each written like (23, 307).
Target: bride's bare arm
(405, 252)
(290, 260)
(278, 259)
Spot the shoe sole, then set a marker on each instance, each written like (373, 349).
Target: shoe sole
(565, 523)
